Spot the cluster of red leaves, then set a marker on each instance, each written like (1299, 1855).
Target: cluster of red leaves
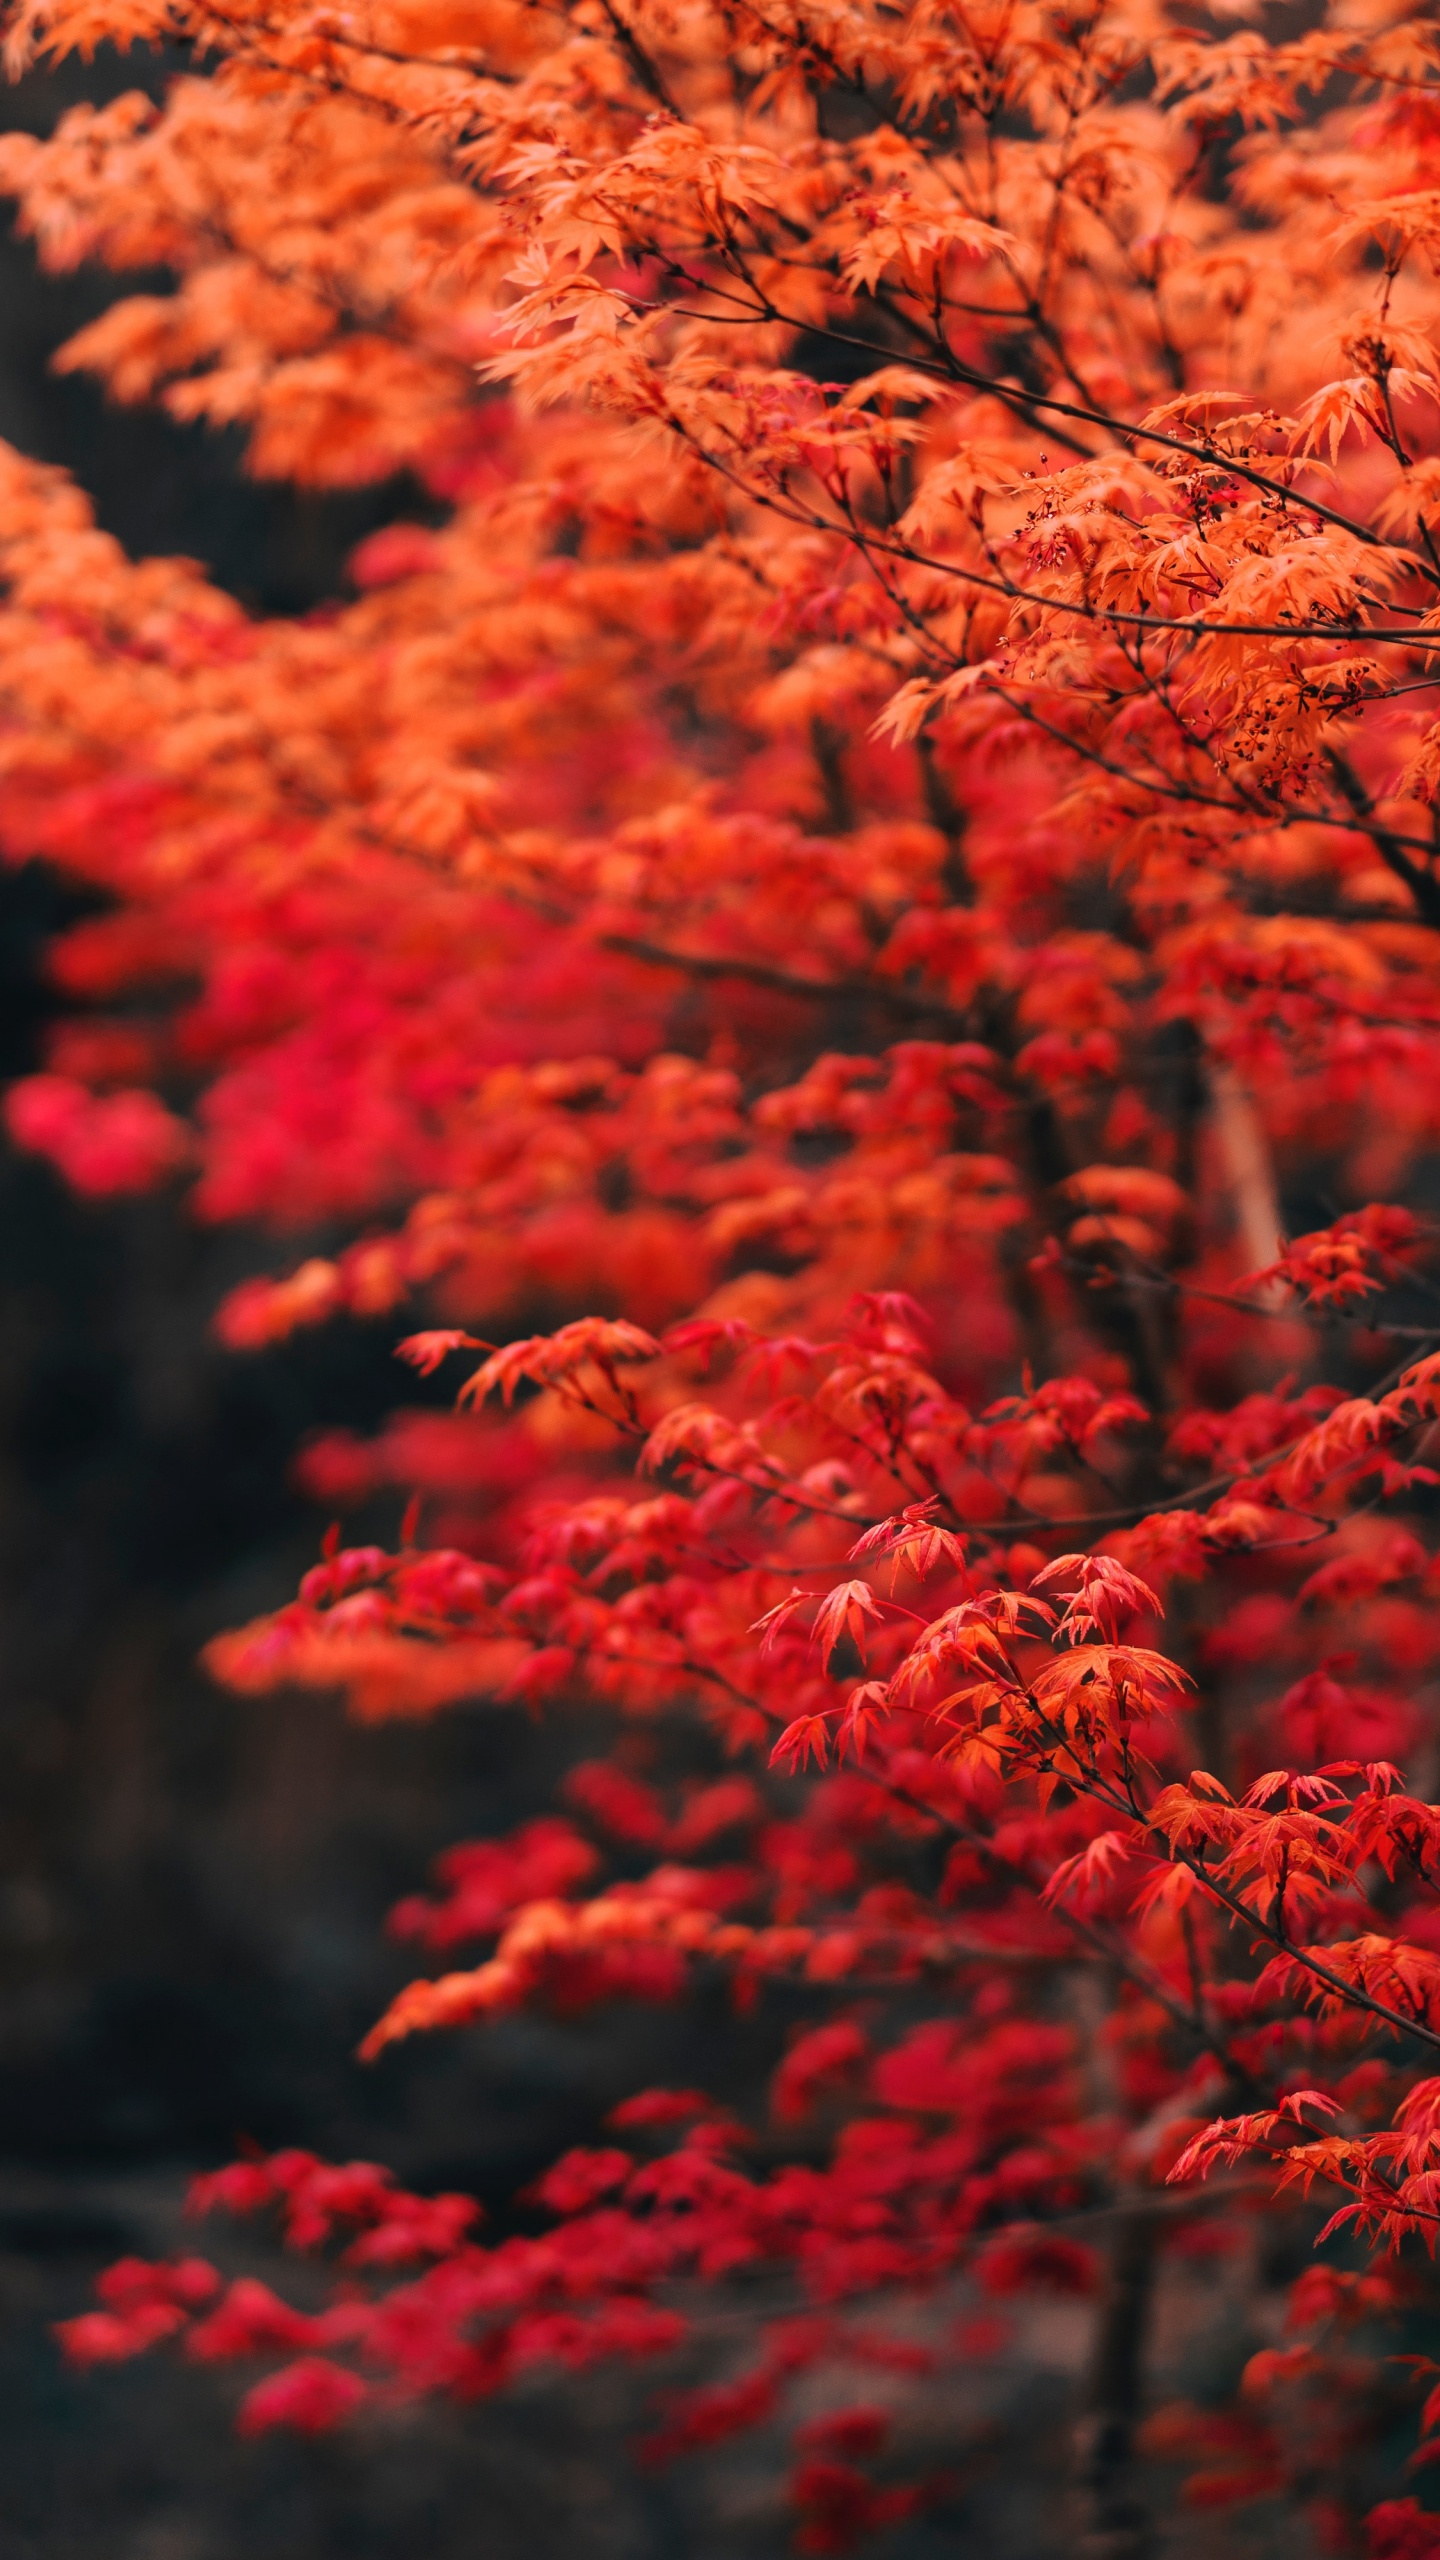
(823, 905)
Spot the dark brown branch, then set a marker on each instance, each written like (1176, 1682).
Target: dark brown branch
(786, 982)
(1422, 884)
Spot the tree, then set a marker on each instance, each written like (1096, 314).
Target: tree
(873, 854)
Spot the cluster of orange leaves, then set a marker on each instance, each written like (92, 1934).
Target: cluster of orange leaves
(877, 826)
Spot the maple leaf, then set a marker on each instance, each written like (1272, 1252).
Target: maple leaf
(776, 1619)
(1082, 1877)
(914, 1539)
(842, 1617)
(427, 1351)
(1108, 1594)
(804, 1738)
(867, 1704)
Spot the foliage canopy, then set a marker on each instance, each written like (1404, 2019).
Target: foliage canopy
(819, 915)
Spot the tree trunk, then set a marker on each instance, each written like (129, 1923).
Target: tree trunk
(1248, 1168)
(1112, 2520)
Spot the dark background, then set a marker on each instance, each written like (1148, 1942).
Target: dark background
(192, 1887)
